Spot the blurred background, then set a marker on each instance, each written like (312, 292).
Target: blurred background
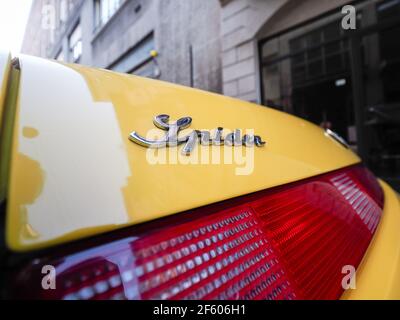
(292, 55)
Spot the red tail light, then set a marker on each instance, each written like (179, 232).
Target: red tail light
(290, 242)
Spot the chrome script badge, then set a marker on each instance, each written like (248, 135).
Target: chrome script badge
(196, 136)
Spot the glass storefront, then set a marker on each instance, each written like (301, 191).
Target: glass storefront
(345, 80)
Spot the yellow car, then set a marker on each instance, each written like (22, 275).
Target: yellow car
(120, 187)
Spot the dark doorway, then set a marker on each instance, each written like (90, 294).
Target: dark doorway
(333, 111)
(345, 80)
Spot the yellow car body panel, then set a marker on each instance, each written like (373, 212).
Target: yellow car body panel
(7, 86)
(378, 275)
(5, 62)
(74, 172)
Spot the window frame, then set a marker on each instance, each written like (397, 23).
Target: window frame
(111, 7)
(149, 40)
(72, 46)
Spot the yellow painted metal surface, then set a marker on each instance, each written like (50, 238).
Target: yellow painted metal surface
(75, 173)
(378, 276)
(4, 75)
(5, 62)
(8, 92)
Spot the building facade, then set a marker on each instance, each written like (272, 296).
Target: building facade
(293, 55)
(120, 34)
(298, 57)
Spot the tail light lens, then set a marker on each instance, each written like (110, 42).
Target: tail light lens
(289, 242)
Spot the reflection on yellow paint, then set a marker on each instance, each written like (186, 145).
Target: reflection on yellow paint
(31, 176)
(29, 132)
(29, 232)
(96, 180)
(77, 143)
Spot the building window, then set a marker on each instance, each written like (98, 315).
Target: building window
(317, 54)
(138, 59)
(75, 43)
(104, 10)
(65, 7)
(306, 71)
